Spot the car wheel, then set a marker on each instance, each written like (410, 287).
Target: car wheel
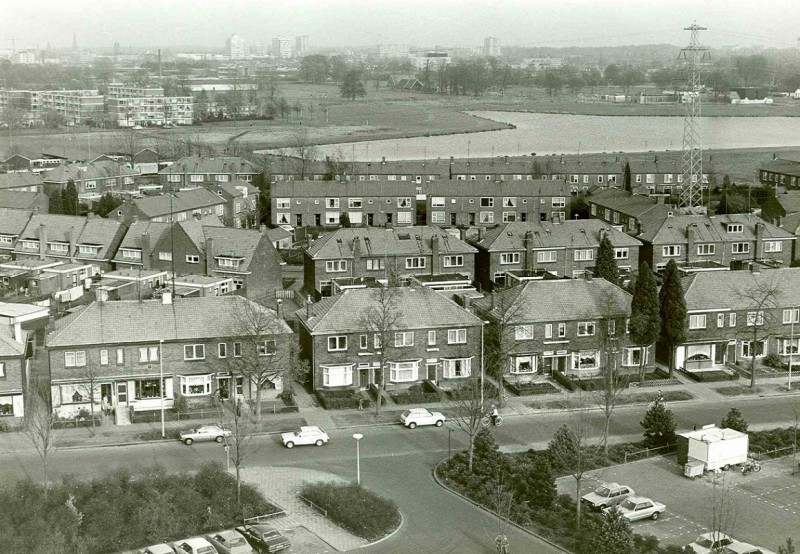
(187, 442)
(289, 445)
(218, 439)
(654, 516)
(439, 423)
(319, 442)
(412, 425)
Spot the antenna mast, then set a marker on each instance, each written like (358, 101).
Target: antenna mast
(692, 56)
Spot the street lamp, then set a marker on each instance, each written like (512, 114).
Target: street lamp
(358, 437)
(161, 381)
(483, 360)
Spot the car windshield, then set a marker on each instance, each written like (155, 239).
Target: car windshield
(271, 535)
(629, 505)
(407, 413)
(602, 491)
(206, 550)
(236, 541)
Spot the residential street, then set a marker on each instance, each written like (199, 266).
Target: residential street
(397, 463)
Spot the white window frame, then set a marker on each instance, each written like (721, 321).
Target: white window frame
(706, 249)
(583, 255)
(222, 350)
(548, 330)
(431, 338)
(755, 319)
(671, 251)
(791, 315)
(456, 336)
(449, 366)
(740, 248)
(75, 358)
(337, 343)
(771, 246)
(453, 261)
(417, 262)
(188, 381)
(697, 321)
(586, 328)
(335, 266)
(337, 376)
(509, 258)
(104, 357)
(332, 203)
(194, 352)
(397, 372)
(546, 256)
(403, 339)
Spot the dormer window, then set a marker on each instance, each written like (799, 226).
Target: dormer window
(735, 228)
(30, 244)
(129, 254)
(228, 262)
(88, 249)
(59, 247)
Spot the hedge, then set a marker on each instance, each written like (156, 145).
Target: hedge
(530, 388)
(78, 422)
(465, 391)
(417, 394)
(356, 509)
(563, 380)
(341, 399)
(711, 376)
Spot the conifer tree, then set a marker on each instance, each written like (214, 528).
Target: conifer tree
(645, 322)
(672, 307)
(606, 266)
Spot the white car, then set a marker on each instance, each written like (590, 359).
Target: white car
(195, 545)
(158, 549)
(711, 542)
(229, 542)
(205, 433)
(137, 128)
(306, 435)
(638, 507)
(607, 495)
(421, 416)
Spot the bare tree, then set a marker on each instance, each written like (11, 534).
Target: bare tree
(467, 409)
(91, 381)
(761, 298)
(721, 508)
(507, 511)
(502, 338)
(239, 445)
(381, 321)
(571, 453)
(264, 349)
(303, 149)
(39, 430)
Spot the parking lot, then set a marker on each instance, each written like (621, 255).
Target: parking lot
(764, 505)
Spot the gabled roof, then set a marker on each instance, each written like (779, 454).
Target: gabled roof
(557, 300)
(418, 308)
(8, 346)
(235, 243)
(101, 169)
(536, 187)
(133, 236)
(278, 233)
(391, 241)
(19, 179)
(630, 204)
(101, 232)
(164, 204)
(337, 189)
(58, 227)
(573, 233)
(13, 221)
(711, 228)
(782, 166)
(22, 200)
(789, 200)
(716, 290)
(220, 164)
(134, 321)
(233, 188)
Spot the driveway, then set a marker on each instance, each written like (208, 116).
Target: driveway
(763, 507)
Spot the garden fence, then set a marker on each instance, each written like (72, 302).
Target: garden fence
(647, 452)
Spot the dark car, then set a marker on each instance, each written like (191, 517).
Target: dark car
(264, 538)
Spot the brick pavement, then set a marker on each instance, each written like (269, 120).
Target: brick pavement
(281, 485)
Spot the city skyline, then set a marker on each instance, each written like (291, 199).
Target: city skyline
(359, 23)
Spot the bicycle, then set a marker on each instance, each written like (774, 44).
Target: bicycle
(487, 420)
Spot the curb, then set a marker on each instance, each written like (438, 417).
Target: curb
(485, 509)
(141, 442)
(390, 535)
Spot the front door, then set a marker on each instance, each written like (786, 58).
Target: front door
(122, 394)
(105, 392)
(363, 378)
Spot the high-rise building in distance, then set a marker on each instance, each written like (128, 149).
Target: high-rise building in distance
(235, 47)
(491, 47)
(282, 47)
(300, 46)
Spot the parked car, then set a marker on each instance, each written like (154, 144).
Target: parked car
(195, 545)
(421, 416)
(607, 495)
(306, 435)
(711, 542)
(158, 549)
(638, 507)
(205, 433)
(264, 538)
(229, 542)
(169, 126)
(744, 548)
(137, 127)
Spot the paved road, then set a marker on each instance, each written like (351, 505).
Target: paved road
(397, 463)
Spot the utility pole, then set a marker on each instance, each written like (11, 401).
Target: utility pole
(692, 56)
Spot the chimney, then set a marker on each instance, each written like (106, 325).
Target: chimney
(356, 255)
(778, 221)
(197, 216)
(690, 238)
(759, 235)
(528, 249)
(655, 159)
(145, 251)
(505, 159)
(166, 297)
(209, 257)
(481, 232)
(263, 229)
(467, 302)
(452, 162)
(435, 262)
(71, 240)
(308, 307)
(383, 160)
(279, 308)
(42, 241)
(774, 156)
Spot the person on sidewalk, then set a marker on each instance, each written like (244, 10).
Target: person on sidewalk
(361, 403)
(106, 406)
(494, 414)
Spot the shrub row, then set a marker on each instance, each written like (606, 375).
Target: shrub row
(771, 439)
(530, 388)
(340, 399)
(711, 376)
(122, 511)
(360, 511)
(465, 392)
(563, 380)
(417, 394)
(77, 422)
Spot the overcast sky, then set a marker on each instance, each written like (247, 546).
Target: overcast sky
(162, 23)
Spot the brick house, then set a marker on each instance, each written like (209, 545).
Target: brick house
(400, 252)
(661, 175)
(434, 338)
(563, 325)
(127, 343)
(21, 181)
(241, 202)
(780, 172)
(720, 321)
(729, 241)
(91, 180)
(322, 203)
(509, 254)
(193, 170)
(12, 225)
(17, 331)
(179, 206)
(628, 212)
(489, 203)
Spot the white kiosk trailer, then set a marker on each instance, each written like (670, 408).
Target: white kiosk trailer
(710, 449)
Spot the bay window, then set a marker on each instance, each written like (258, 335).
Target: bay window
(456, 367)
(585, 360)
(523, 364)
(195, 385)
(337, 376)
(401, 372)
